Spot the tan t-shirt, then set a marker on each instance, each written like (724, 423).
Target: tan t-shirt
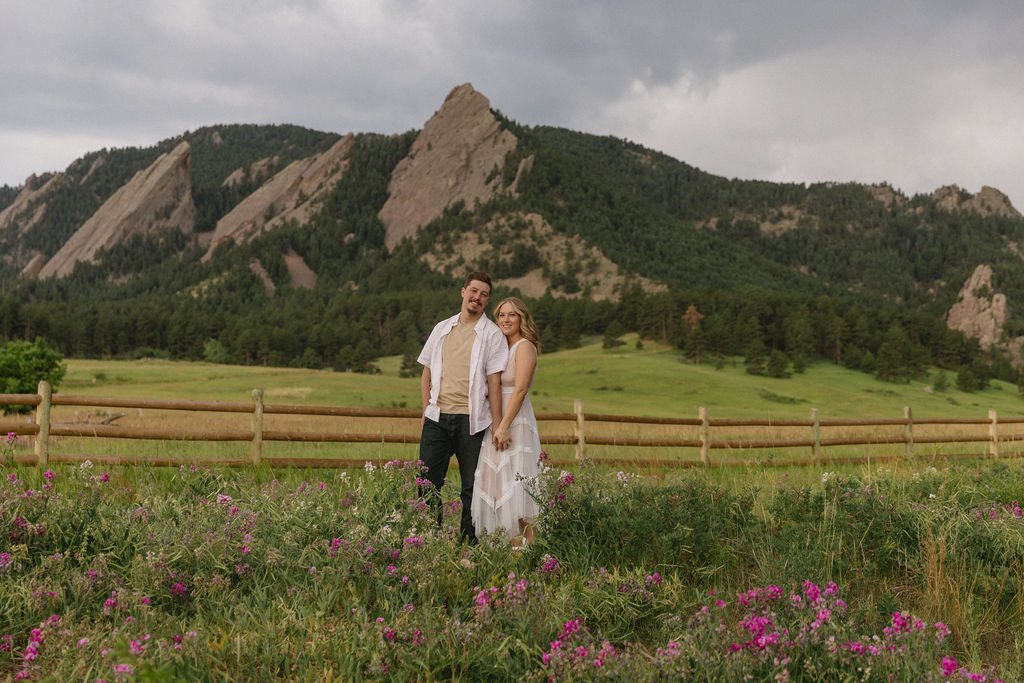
(456, 352)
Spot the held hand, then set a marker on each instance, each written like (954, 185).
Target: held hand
(502, 439)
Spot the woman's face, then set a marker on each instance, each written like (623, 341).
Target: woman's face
(508, 320)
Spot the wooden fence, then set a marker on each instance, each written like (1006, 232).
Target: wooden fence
(42, 430)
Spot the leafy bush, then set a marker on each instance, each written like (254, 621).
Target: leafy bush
(23, 365)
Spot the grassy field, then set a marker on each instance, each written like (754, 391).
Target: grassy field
(627, 381)
(651, 381)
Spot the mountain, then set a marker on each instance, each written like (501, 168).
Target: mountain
(279, 244)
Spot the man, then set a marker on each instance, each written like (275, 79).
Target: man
(461, 389)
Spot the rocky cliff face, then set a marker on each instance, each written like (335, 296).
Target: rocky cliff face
(155, 200)
(988, 201)
(24, 213)
(292, 194)
(981, 313)
(452, 160)
(29, 206)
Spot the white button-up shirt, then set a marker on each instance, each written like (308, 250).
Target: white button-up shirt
(489, 355)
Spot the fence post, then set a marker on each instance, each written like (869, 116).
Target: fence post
(705, 436)
(43, 420)
(815, 435)
(993, 434)
(256, 448)
(577, 432)
(909, 431)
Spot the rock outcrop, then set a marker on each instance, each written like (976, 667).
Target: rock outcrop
(988, 201)
(453, 159)
(29, 207)
(979, 312)
(254, 169)
(597, 277)
(299, 272)
(156, 200)
(292, 194)
(884, 192)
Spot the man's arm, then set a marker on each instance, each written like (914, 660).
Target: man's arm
(425, 393)
(494, 397)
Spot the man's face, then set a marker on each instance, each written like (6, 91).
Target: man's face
(475, 296)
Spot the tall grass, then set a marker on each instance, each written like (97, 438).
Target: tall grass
(207, 574)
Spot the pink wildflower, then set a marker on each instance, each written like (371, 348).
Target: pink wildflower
(949, 666)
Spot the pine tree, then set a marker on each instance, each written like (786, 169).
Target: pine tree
(778, 364)
(754, 351)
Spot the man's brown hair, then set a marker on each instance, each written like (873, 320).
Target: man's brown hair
(479, 276)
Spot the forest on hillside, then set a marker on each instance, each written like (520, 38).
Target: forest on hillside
(854, 281)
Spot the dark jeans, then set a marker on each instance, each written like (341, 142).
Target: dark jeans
(439, 440)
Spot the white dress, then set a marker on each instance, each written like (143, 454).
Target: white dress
(504, 479)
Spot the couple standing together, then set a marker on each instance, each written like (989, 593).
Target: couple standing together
(476, 405)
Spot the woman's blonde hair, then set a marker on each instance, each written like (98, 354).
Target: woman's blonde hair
(527, 326)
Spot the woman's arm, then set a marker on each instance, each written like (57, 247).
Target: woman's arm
(526, 363)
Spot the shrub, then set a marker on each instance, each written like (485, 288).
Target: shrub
(23, 365)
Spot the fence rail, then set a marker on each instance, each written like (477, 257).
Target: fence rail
(42, 430)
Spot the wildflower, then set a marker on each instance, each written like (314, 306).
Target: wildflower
(949, 666)
(82, 642)
(369, 466)
(550, 565)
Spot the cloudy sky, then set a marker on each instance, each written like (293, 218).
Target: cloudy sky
(918, 94)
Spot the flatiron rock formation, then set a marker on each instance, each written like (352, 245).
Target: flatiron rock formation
(155, 200)
(29, 206)
(292, 194)
(451, 160)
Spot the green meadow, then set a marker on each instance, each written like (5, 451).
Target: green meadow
(654, 380)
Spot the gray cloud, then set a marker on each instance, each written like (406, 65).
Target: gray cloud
(917, 93)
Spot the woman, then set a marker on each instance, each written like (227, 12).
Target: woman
(508, 461)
